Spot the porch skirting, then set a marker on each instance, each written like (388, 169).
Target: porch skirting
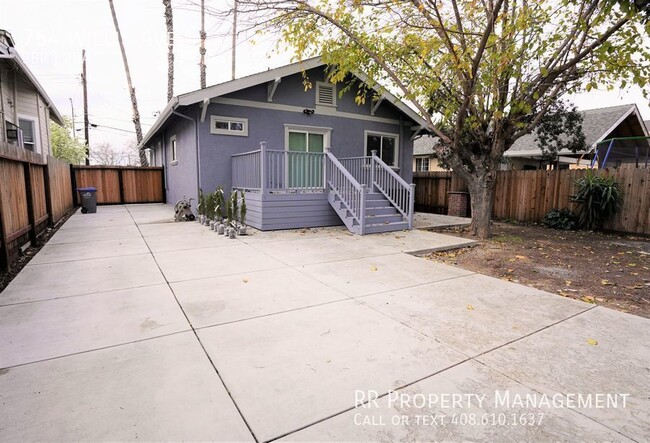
(289, 210)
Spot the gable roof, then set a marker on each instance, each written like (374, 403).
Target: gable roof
(647, 125)
(597, 125)
(201, 95)
(424, 145)
(8, 52)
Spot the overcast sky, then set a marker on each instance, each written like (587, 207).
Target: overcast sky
(50, 34)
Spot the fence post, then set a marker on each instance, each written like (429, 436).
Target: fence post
(48, 195)
(362, 209)
(411, 205)
(30, 202)
(263, 167)
(5, 263)
(372, 170)
(73, 183)
(120, 181)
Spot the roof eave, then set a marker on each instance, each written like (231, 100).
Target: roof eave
(54, 113)
(160, 121)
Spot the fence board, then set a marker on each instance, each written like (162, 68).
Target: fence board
(526, 196)
(14, 197)
(122, 184)
(60, 183)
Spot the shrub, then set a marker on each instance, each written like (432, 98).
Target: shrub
(242, 210)
(200, 207)
(598, 198)
(560, 219)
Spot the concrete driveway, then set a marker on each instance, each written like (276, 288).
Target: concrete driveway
(127, 326)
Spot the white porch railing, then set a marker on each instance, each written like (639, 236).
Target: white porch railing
(268, 170)
(351, 193)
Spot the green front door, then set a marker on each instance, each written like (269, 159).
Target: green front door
(305, 169)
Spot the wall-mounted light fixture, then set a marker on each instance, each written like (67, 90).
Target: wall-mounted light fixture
(308, 111)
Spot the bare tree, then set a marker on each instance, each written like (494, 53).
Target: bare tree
(105, 154)
(169, 22)
(134, 101)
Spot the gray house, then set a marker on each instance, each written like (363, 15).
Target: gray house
(599, 126)
(25, 108)
(304, 157)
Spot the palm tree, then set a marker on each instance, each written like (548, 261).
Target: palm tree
(202, 48)
(169, 22)
(134, 101)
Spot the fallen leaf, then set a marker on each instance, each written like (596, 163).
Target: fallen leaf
(568, 282)
(373, 268)
(606, 283)
(245, 280)
(592, 341)
(588, 299)
(470, 307)
(520, 257)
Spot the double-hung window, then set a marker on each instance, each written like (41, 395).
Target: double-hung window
(29, 137)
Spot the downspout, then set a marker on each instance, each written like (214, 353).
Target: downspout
(196, 144)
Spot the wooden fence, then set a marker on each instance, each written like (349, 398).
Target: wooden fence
(122, 184)
(526, 196)
(35, 192)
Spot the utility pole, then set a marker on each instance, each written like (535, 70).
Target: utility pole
(202, 48)
(84, 82)
(234, 39)
(74, 129)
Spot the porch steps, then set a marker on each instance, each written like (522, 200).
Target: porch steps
(381, 216)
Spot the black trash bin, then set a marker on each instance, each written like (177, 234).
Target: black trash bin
(88, 198)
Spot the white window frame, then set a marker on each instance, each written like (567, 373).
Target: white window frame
(229, 120)
(329, 85)
(422, 159)
(366, 133)
(173, 146)
(326, 132)
(37, 138)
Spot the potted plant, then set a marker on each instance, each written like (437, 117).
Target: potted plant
(229, 217)
(219, 208)
(211, 203)
(200, 206)
(242, 215)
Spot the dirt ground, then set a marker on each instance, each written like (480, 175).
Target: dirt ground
(608, 269)
(24, 258)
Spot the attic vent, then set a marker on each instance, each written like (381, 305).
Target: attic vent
(325, 94)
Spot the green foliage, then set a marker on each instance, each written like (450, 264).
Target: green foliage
(210, 205)
(562, 219)
(235, 206)
(242, 210)
(220, 203)
(599, 198)
(229, 212)
(64, 146)
(560, 129)
(201, 204)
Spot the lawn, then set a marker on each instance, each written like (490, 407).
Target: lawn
(608, 269)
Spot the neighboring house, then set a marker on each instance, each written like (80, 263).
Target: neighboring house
(423, 154)
(599, 125)
(268, 135)
(25, 108)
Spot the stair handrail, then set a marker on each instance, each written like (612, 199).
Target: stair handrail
(404, 201)
(351, 192)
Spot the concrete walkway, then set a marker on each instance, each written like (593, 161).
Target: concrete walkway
(129, 327)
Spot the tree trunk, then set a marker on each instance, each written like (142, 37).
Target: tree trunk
(202, 35)
(134, 101)
(481, 191)
(169, 22)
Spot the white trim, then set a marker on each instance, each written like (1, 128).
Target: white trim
(229, 120)
(375, 105)
(368, 132)
(174, 150)
(618, 122)
(332, 86)
(37, 133)
(271, 87)
(321, 110)
(204, 109)
(248, 81)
